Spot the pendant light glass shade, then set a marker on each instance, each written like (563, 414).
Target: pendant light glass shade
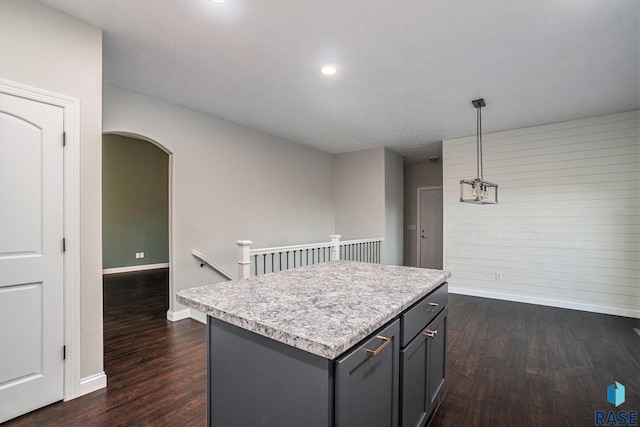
(477, 190)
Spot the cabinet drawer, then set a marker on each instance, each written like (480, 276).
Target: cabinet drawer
(417, 317)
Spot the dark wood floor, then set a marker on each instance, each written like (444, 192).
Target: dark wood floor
(156, 369)
(509, 364)
(514, 364)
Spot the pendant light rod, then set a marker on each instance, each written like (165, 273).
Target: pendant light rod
(479, 103)
(482, 192)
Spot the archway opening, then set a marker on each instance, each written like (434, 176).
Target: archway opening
(136, 229)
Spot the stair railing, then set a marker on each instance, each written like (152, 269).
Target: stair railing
(270, 260)
(205, 260)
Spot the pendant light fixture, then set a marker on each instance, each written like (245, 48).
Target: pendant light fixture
(478, 190)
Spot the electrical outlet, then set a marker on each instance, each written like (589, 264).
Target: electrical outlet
(498, 275)
(141, 254)
(137, 254)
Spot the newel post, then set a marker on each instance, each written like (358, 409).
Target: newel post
(244, 258)
(335, 247)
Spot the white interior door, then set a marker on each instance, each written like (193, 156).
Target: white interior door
(430, 228)
(31, 255)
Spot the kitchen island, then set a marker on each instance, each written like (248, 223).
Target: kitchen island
(334, 344)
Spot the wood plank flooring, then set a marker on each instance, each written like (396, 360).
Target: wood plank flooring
(156, 369)
(509, 364)
(514, 364)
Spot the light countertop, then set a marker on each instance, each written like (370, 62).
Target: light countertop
(324, 309)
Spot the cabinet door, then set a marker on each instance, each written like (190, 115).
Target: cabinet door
(415, 404)
(366, 382)
(437, 353)
(423, 372)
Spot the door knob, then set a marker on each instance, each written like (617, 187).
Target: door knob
(424, 237)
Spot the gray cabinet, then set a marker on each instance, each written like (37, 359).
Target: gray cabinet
(367, 382)
(423, 357)
(392, 378)
(436, 358)
(256, 381)
(415, 408)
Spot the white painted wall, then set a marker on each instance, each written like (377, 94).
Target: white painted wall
(566, 231)
(368, 191)
(45, 49)
(229, 183)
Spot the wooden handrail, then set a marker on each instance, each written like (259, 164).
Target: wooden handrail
(290, 248)
(356, 241)
(261, 251)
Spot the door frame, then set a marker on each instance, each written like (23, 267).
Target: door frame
(71, 213)
(419, 227)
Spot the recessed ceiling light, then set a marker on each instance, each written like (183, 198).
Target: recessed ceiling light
(328, 70)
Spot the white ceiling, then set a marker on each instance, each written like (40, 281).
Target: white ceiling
(407, 69)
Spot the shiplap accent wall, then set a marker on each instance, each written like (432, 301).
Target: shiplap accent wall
(566, 231)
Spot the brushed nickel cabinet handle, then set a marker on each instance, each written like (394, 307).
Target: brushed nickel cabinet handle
(379, 349)
(432, 307)
(431, 334)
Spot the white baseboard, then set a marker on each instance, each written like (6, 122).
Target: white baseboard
(135, 268)
(199, 316)
(186, 313)
(175, 315)
(547, 302)
(93, 383)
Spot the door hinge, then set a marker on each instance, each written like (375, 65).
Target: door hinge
(64, 139)
(64, 244)
(64, 352)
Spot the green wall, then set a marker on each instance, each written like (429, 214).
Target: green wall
(135, 202)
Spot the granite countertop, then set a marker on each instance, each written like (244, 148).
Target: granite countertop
(324, 309)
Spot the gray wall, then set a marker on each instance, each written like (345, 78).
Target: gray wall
(228, 183)
(425, 174)
(49, 50)
(135, 202)
(368, 191)
(393, 207)
(359, 194)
